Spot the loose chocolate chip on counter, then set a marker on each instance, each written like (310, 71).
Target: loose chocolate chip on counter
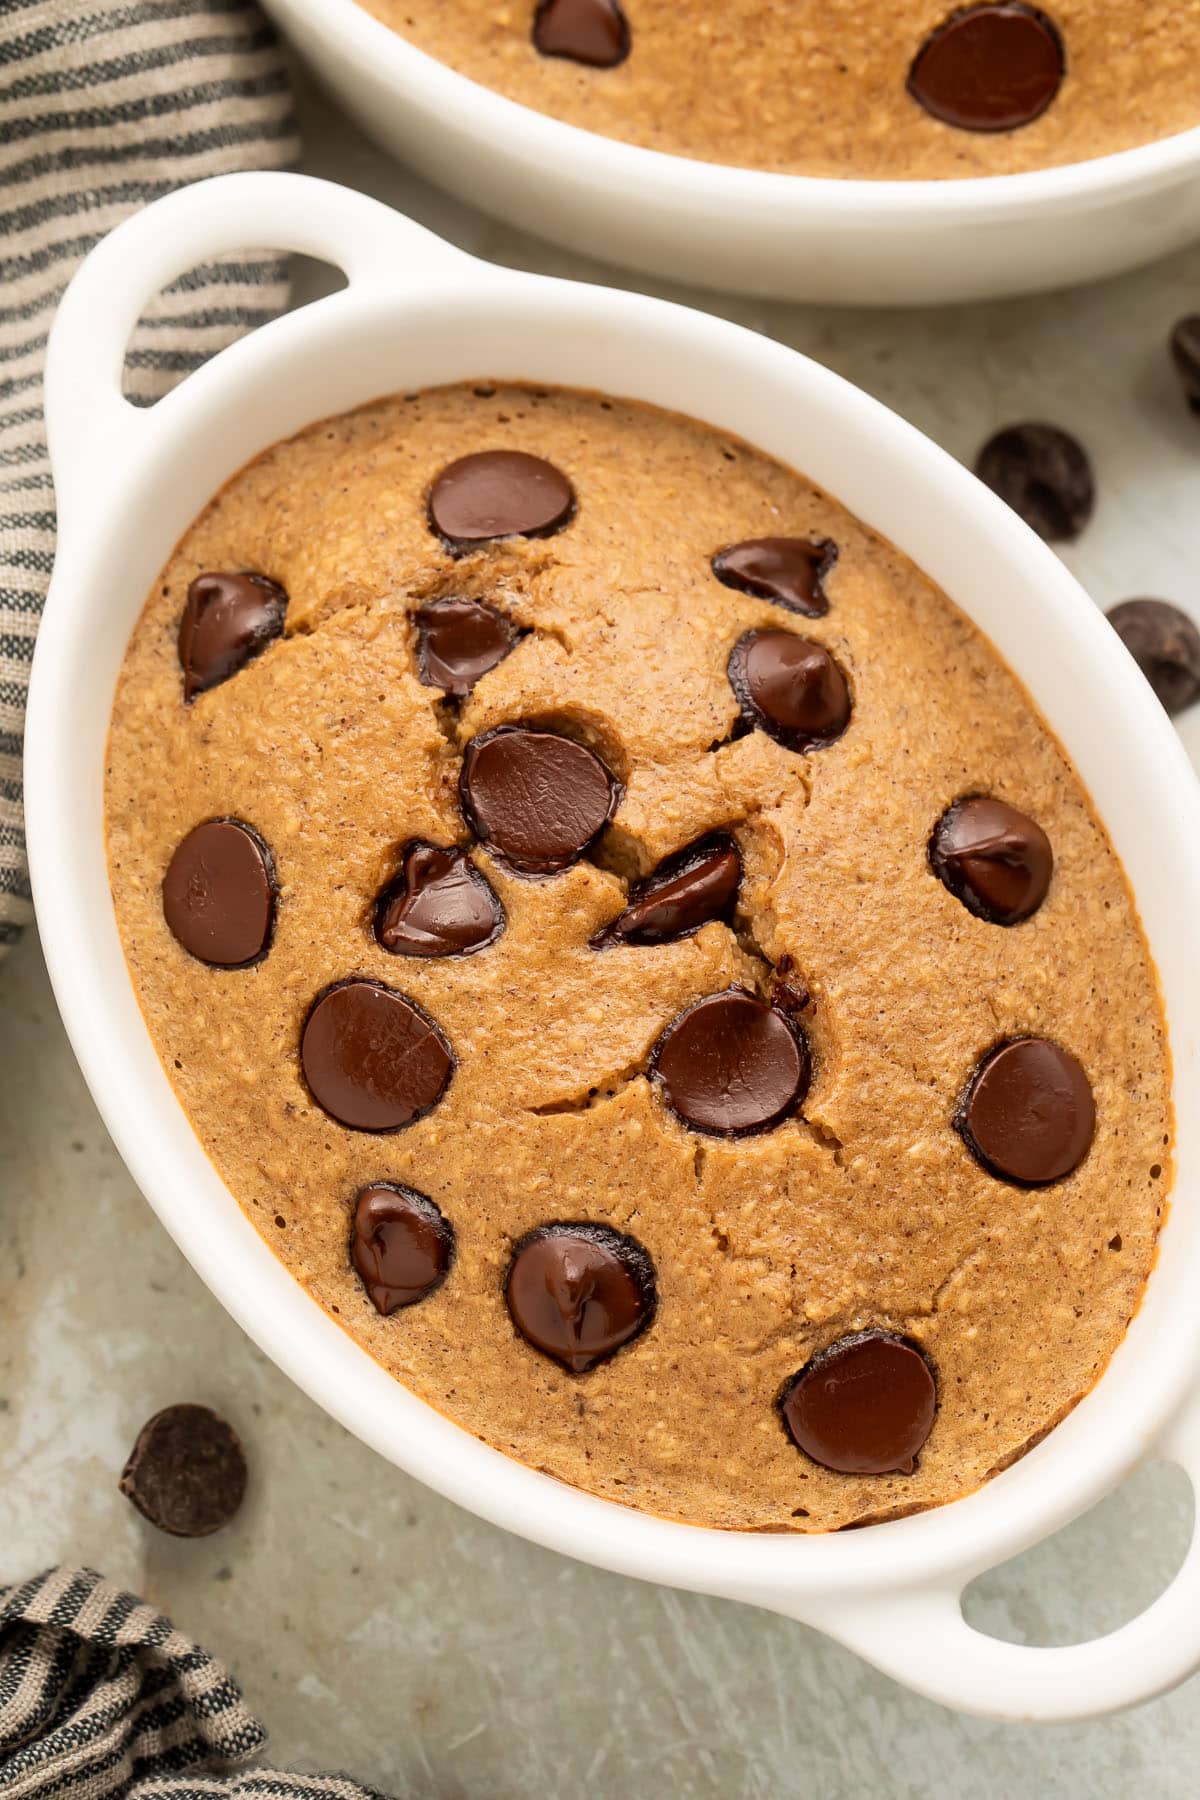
(497, 494)
(790, 687)
(788, 571)
(1028, 1114)
(438, 905)
(994, 859)
(227, 621)
(458, 641)
(372, 1059)
(989, 67)
(578, 1292)
(1185, 354)
(864, 1406)
(1044, 474)
(1165, 644)
(401, 1246)
(187, 1472)
(595, 32)
(218, 894)
(730, 1064)
(684, 893)
(536, 798)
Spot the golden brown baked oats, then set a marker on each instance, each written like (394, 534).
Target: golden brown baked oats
(926, 89)
(742, 916)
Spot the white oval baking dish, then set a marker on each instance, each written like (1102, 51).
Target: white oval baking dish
(417, 312)
(788, 237)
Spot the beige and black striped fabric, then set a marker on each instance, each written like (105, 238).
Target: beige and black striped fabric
(102, 1699)
(104, 106)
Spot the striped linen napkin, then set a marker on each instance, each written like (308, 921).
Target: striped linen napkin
(104, 105)
(101, 1698)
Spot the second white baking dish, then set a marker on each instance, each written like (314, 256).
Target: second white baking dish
(788, 237)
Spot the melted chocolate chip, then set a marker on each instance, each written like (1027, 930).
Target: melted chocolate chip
(401, 1245)
(595, 32)
(1165, 644)
(578, 1292)
(789, 992)
(438, 905)
(1028, 1114)
(790, 687)
(864, 1406)
(496, 494)
(227, 621)
(684, 893)
(187, 1471)
(989, 68)
(730, 1064)
(536, 798)
(1185, 354)
(1045, 476)
(218, 894)
(372, 1059)
(458, 641)
(994, 859)
(788, 571)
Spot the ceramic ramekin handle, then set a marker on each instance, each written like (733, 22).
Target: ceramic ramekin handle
(89, 423)
(920, 1637)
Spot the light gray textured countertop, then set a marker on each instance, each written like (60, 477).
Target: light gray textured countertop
(376, 1628)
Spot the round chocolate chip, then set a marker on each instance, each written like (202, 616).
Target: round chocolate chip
(187, 1472)
(458, 641)
(790, 687)
(595, 32)
(731, 1064)
(1028, 1114)
(996, 860)
(218, 894)
(788, 571)
(989, 68)
(227, 620)
(536, 798)
(684, 893)
(438, 905)
(372, 1059)
(864, 1406)
(401, 1245)
(1045, 476)
(1165, 644)
(578, 1292)
(497, 494)
(1185, 354)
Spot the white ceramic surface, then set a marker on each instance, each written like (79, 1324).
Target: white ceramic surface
(417, 312)
(871, 243)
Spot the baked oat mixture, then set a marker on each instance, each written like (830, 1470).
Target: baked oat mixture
(638, 958)
(836, 87)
